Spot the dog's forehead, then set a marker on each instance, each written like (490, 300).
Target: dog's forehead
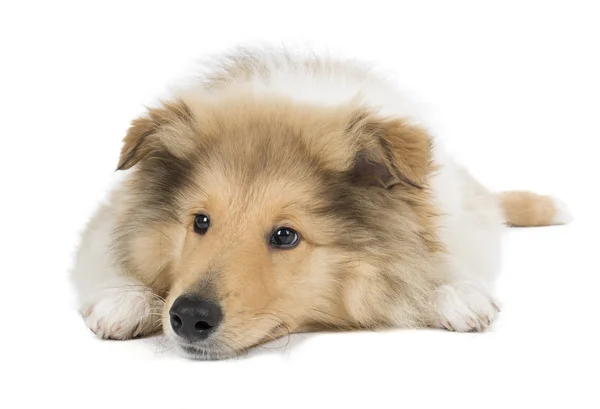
(268, 153)
(273, 133)
(247, 179)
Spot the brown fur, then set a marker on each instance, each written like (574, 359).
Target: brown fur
(528, 209)
(353, 185)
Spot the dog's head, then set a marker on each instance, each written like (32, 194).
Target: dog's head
(256, 218)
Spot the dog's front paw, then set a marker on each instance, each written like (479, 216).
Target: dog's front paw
(123, 314)
(464, 307)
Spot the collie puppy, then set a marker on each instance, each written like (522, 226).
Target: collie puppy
(286, 193)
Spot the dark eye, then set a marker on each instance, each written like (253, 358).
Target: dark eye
(201, 224)
(284, 238)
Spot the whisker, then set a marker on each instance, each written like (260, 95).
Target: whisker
(346, 321)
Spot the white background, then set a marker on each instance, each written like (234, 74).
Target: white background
(515, 90)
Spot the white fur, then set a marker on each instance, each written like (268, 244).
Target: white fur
(465, 307)
(562, 213)
(471, 229)
(122, 311)
(112, 304)
(336, 82)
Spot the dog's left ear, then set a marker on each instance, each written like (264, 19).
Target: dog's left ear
(391, 151)
(166, 128)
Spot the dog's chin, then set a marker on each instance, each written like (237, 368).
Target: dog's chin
(203, 352)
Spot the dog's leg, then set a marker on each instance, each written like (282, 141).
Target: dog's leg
(112, 304)
(122, 311)
(471, 229)
(121, 308)
(463, 307)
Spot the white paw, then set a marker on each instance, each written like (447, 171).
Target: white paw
(123, 314)
(464, 307)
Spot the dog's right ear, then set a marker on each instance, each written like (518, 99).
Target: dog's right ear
(167, 127)
(392, 151)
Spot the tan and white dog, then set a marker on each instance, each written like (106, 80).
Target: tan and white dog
(286, 193)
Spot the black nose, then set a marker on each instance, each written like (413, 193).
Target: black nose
(194, 318)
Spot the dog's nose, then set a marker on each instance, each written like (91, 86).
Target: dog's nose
(194, 318)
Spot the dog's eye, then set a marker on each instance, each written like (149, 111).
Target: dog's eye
(284, 238)
(201, 224)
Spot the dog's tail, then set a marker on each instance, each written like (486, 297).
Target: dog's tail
(528, 209)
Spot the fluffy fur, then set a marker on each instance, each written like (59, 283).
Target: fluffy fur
(393, 232)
